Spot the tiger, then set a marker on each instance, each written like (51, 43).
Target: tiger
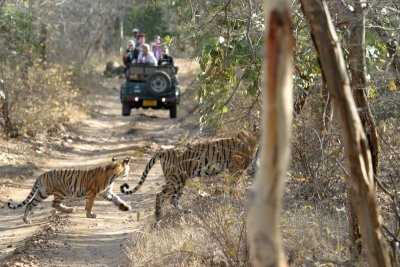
(204, 158)
(76, 183)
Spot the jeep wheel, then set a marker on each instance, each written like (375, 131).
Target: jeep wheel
(172, 112)
(159, 83)
(126, 109)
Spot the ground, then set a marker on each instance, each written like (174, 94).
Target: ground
(55, 239)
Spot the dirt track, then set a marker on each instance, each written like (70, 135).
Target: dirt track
(55, 239)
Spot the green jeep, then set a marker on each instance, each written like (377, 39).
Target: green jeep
(150, 87)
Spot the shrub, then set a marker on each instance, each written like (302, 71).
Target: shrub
(36, 100)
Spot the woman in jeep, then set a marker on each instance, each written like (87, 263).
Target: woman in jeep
(147, 57)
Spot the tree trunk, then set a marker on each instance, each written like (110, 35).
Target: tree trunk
(357, 66)
(9, 127)
(263, 228)
(357, 153)
(358, 81)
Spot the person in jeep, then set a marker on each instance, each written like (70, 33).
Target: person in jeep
(146, 56)
(131, 55)
(165, 58)
(135, 35)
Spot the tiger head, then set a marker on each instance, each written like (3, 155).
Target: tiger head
(119, 167)
(250, 138)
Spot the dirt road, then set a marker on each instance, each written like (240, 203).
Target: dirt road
(55, 239)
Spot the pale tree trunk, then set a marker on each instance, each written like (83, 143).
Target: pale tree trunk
(357, 153)
(263, 228)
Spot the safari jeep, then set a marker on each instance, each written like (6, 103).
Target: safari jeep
(150, 87)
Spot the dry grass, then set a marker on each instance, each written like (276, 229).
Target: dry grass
(206, 237)
(315, 234)
(175, 244)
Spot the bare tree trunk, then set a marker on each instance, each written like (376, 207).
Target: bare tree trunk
(9, 127)
(354, 229)
(357, 66)
(357, 153)
(358, 81)
(264, 236)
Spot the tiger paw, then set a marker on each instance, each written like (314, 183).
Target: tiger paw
(93, 216)
(27, 221)
(124, 207)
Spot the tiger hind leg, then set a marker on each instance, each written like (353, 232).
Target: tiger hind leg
(160, 197)
(39, 197)
(169, 192)
(175, 201)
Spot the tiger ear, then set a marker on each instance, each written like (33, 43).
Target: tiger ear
(127, 159)
(114, 159)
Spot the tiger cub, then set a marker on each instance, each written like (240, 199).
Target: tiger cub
(75, 183)
(204, 158)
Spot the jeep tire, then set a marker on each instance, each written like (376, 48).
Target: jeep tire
(159, 83)
(126, 109)
(172, 112)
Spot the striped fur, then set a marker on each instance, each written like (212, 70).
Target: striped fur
(76, 183)
(204, 158)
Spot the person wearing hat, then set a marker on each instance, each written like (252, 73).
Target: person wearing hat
(131, 55)
(146, 56)
(155, 47)
(135, 33)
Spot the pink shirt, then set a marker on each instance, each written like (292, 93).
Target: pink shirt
(156, 51)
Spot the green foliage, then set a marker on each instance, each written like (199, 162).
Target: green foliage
(228, 44)
(32, 98)
(16, 26)
(150, 18)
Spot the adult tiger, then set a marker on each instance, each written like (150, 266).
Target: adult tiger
(204, 158)
(76, 183)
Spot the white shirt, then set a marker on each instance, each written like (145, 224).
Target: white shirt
(149, 59)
